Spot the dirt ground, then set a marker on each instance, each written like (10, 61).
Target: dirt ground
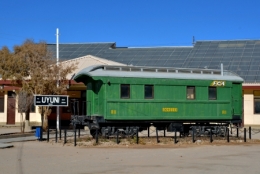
(151, 142)
(50, 157)
(148, 156)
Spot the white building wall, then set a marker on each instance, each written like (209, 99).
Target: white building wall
(3, 115)
(35, 117)
(18, 118)
(250, 118)
(248, 109)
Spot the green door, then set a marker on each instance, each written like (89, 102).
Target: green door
(237, 99)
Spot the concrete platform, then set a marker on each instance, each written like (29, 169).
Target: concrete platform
(9, 130)
(5, 145)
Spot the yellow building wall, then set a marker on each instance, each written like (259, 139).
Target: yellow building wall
(3, 115)
(35, 118)
(250, 118)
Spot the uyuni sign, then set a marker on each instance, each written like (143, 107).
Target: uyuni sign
(51, 100)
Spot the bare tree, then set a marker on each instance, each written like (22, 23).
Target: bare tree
(25, 102)
(33, 68)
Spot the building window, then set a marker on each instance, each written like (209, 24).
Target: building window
(257, 105)
(148, 92)
(191, 92)
(2, 101)
(212, 93)
(11, 94)
(125, 91)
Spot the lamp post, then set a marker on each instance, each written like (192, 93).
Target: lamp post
(57, 56)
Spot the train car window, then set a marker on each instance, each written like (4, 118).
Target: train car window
(125, 91)
(212, 93)
(257, 105)
(191, 92)
(148, 92)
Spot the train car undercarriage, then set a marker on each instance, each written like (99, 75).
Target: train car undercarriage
(104, 128)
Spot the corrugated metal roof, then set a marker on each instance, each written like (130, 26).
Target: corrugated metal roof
(239, 56)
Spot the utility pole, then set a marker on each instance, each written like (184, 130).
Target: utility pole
(57, 55)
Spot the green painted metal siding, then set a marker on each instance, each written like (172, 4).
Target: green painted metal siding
(136, 91)
(113, 91)
(99, 98)
(89, 94)
(200, 93)
(237, 99)
(154, 110)
(169, 103)
(169, 92)
(223, 93)
(95, 98)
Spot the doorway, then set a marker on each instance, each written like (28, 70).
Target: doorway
(11, 107)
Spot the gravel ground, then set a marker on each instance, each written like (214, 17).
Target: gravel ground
(35, 157)
(42, 157)
(87, 141)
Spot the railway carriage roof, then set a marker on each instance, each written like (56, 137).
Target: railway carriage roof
(156, 72)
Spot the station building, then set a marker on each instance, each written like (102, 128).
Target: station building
(9, 114)
(239, 56)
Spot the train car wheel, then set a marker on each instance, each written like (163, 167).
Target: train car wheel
(93, 133)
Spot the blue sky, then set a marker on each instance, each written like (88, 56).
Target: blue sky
(132, 23)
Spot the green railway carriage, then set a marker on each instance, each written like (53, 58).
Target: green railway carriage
(127, 96)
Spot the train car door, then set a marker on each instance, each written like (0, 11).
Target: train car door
(97, 96)
(237, 99)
